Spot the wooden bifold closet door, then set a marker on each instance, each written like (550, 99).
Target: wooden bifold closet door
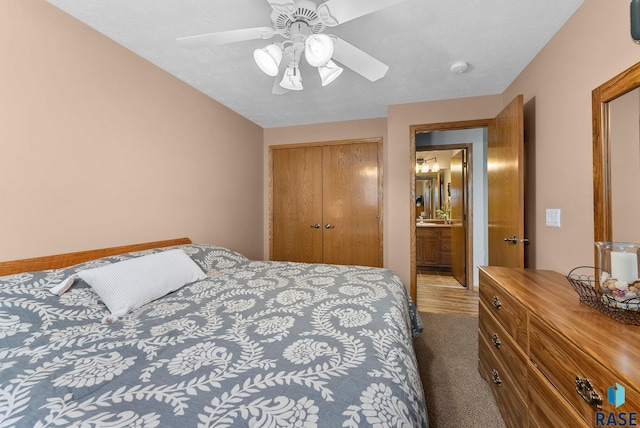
(326, 203)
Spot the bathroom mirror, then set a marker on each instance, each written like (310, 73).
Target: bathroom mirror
(428, 194)
(616, 156)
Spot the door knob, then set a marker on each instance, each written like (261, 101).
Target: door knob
(512, 240)
(315, 226)
(328, 226)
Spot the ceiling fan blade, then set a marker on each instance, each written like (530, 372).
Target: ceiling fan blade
(225, 37)
(334, 12)
(357, 60)
(285, 7)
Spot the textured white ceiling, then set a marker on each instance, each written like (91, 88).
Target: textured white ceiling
(418, 39)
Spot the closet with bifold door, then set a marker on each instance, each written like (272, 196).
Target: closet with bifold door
(326, 202)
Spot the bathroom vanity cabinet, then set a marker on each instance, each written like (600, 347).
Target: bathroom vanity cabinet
(433, 246)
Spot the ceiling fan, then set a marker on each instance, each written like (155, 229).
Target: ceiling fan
(302, 23)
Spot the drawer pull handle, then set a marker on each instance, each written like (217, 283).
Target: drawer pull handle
(496, 302)
(495, 340)
(496, 377)
(584, 387)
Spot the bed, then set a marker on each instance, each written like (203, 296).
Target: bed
(253, 343)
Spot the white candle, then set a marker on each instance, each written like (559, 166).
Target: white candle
(624, 266)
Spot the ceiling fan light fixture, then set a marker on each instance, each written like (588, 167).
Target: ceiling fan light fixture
(268, 59)
(329, 72)
(292, 79)
(302, 24)
(318, 49)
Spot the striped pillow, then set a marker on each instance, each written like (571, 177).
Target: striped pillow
(127, 285)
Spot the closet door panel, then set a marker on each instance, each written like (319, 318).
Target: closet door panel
(351, 205)
(297, 204)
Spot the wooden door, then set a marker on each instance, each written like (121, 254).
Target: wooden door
(505, 176)
(297, 204)
(352, 204)
(458, 218)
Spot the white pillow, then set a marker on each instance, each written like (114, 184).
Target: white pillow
(127, 285)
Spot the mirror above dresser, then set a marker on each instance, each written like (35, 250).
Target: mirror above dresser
(616, 157)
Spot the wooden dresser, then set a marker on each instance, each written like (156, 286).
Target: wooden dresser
(538, 345)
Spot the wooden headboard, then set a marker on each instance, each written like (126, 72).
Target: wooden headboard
(63, 260)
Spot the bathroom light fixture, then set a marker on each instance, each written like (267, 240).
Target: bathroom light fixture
(422, 165)
(436, 166)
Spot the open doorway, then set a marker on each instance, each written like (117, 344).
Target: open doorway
(467, 141)
(495, 229)
(440, 216)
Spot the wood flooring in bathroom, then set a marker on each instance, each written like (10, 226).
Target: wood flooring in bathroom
(440, 293)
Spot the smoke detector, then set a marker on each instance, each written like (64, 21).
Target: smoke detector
(459, 67)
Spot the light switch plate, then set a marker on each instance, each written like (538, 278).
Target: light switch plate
(553, 217)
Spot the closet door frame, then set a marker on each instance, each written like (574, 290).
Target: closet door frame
(377, 140)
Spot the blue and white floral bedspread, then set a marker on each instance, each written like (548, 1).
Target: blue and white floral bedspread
(267, 344)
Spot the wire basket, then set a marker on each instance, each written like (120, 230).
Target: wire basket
(585, 282)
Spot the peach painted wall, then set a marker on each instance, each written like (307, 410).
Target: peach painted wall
(98, 147)
(592, 47)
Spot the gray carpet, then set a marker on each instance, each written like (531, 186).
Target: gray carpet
(457, 397)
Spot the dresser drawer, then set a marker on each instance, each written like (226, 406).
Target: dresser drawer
(561, 362)
(546, 407)
(503, 348)
(508, 396)
(508, 311)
